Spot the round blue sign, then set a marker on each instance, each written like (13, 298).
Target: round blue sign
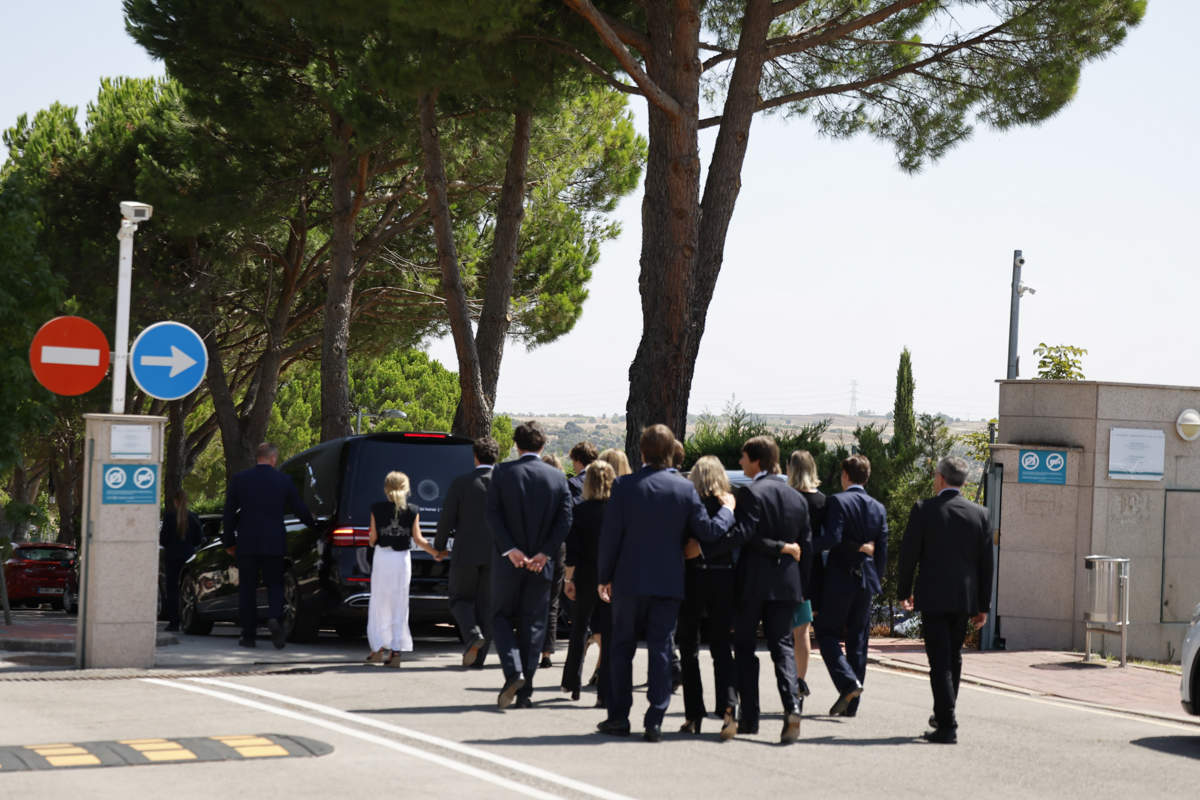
(168, 360)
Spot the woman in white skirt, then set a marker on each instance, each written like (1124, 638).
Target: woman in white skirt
(394, 527)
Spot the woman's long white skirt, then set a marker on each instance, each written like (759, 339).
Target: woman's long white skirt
(387, 612)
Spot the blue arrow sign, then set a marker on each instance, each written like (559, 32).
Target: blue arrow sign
(168, 360)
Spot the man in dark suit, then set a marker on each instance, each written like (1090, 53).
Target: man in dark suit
(647, 521)
(529, 513)
(855, 534)
(253, 533)
(948, 544)
(581, 455)
(776, 550)
(464, 516)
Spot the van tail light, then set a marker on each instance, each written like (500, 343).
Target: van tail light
(351, 537)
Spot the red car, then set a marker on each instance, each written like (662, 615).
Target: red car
(43, 573)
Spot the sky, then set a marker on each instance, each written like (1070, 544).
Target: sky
(836, 259)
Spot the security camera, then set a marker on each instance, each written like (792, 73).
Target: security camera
(135, 211)
(1019, 261)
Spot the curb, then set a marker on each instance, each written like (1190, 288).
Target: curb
(43, 645)
(905, 666)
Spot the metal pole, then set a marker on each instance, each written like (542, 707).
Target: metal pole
(121, 340)
(1014, 315)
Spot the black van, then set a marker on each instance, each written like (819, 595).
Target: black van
(327, 571)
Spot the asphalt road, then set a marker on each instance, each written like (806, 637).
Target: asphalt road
(431, 729)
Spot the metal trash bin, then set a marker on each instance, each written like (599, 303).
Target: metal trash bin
(1108, 601)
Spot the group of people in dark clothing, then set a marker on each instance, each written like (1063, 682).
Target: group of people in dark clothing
(658, 557)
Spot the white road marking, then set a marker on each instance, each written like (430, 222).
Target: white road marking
(1046, 701)
(467, 750)
(71, 356)
(466, 769)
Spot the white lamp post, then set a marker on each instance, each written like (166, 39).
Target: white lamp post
(132, 212)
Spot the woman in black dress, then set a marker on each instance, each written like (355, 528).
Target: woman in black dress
(708, 593)
(583, 546)
(179, 537)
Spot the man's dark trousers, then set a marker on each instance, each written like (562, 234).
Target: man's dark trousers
(776, 618)
(657, 617)
(470, 603)
(845, 605)
(523, 597)
(250, 566)
(944, 634)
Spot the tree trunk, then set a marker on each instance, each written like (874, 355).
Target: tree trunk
(23, 488)
(475, 419)
(335, 347)
(67, 472)
(495, 319)
(683, 236)
(175, 449)
(660, 377)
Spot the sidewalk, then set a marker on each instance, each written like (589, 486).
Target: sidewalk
(1145, 691)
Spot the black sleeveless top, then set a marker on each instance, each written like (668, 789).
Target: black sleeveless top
(395, 531)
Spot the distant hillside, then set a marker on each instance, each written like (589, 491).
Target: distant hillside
(563, 431)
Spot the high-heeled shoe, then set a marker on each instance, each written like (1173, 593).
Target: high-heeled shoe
(692, 726)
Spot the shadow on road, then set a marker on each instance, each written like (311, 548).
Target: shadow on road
(1188, 746)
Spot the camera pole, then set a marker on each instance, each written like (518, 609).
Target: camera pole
(1014, 313)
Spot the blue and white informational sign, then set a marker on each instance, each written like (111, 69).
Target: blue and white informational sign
(168, 360)
(1043, 466)
(129, 484)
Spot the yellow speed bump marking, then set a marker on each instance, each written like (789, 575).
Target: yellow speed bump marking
(132, 752)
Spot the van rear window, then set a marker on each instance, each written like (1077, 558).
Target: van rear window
(430, 469)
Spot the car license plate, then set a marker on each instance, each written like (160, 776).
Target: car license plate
(49, 590)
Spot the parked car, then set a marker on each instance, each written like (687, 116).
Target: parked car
(1189, 684)
(327, 569)
(43, 573)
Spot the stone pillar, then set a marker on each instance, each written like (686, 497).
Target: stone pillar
(119, 556)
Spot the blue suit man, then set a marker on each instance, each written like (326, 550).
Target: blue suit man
(650, 516)
(529, 513)
(255, 504)
(855, 534)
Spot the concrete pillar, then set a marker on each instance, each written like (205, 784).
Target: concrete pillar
(119, 558)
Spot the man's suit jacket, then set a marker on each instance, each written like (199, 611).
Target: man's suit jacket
(255, 504)
(853, 518)
(649, 517)
(948, 544)
(529, 508)
(464, 516)
(769, 515)
(575, 484)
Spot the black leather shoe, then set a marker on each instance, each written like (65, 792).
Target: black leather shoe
(692, 726)
(613, 727)
(791, 727)
(653, 733)
(933, 721)
(747, 728)
(509, 692)
(941, 736)
(546, 662)
(278, 636)
(843, 702)
(523, 702)
(472, 652)
(244, 642)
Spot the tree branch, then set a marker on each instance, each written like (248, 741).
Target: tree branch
(654, 93)
(797, 44)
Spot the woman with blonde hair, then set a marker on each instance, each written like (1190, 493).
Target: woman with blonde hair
(708, 591)
(394, 528)
(617, 460)
(582, 573)
(802, 476)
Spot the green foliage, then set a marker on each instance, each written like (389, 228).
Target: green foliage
(1060, 362)
(903, 422)
(979, 447)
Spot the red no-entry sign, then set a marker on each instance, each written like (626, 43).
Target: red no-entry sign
(69, 355)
